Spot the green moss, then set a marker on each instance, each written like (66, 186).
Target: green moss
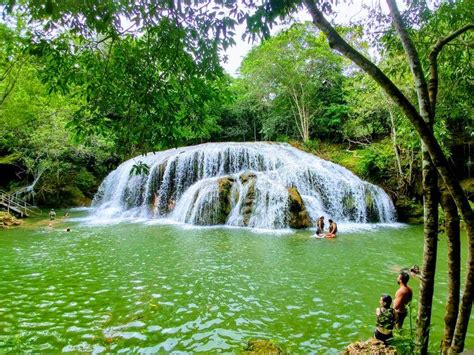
(263, 346)
(408, 210)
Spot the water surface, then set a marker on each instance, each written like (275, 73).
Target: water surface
(150, 288)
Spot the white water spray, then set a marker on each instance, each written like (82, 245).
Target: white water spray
(241, 184)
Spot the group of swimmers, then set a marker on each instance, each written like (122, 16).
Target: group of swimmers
(320, 228)
(52, 217)
(389, 318)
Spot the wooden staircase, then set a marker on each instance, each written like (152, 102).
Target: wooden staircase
(13, 204)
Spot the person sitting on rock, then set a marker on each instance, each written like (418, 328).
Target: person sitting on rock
(385, 319)
(320, 226)
(332, 229)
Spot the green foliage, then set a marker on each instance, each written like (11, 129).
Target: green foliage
(292, 84)
(150, 84)
(140, 168)
(36, 142)
(375, 161)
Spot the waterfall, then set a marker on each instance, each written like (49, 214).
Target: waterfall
(260, 185)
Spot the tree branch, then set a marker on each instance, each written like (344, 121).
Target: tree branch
(433, 60)
(414, 62)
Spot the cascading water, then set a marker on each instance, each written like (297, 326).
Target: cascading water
(260, 185)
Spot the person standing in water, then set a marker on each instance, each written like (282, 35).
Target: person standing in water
(320, 225)
(403, 297)
(332, 229)
(385, 319)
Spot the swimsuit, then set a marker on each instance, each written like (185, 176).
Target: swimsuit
(385, 322)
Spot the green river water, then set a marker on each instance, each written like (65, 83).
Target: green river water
(136, 287)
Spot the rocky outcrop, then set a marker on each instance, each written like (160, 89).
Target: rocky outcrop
(371, 346)
(371, 208)
(224, 202)
(7, 220)
(249, 180)
(298, 215)
(468, 186)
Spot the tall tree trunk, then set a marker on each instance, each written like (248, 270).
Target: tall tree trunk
(466, 304)
(394, 143)
(462, 323)
(430, 212)
(430, 186)
(452, 229)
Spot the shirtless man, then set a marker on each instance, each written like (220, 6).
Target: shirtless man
(332, 229)
(403, 297)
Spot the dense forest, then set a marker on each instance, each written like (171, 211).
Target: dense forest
(73, 107)
(85, 86)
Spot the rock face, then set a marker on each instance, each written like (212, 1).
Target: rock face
(228, 197)
(298, 215)
(224, 204)
(248, 180)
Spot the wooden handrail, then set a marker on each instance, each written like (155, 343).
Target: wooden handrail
(18, 205)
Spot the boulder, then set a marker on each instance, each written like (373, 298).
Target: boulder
(250, 180)
(468, 186)
(298, 215)
(371, 209)
(409, 211)
(8, 220)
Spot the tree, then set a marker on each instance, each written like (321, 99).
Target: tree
(297, 78)
(36, 144)
(159, 75)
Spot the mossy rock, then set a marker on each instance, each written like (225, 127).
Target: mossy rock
(371, 210)
(249, 199)
(225, 197)
(408, 210)
(245, 177)
(348, 203)
(298, 215)
(263, 346)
